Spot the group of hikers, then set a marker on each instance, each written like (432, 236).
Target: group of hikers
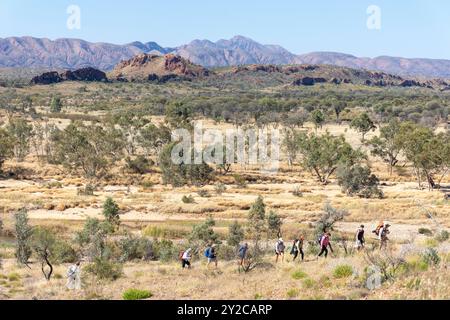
(324, 242)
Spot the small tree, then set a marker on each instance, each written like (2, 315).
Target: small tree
(329, 218)
(23, 237)
(93, 238)
(202, 234)
(6, 146)
(21, 132)
(388, 145)
(318, 118)
(56, 105)
(359, 180)
(43, 243)
(257, 223)
(111, 212)
(363, 124)
(273, 225)
(235, 234)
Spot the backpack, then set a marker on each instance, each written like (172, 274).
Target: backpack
(319, 239)
(208, 252)
(294, 247)
(180, 255)
(377, 230)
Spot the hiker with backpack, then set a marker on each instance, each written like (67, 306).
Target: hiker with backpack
(186, 257)
(360, 241)
(242, 253)
(382, 236)
(297, 247)
(324, 244)
(210, 254)
(279, 250)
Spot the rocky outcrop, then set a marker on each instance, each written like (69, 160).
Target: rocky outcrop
(150, 67)
(47, 78)
(308, 81)
(84, 74)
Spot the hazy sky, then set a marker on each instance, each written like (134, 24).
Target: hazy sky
(409, 28)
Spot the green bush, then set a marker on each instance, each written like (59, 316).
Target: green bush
(135, 294)
(299, 274)
(431, 257)
(164, 250)
(220, 188)
(203, 193)
(293, 293)
(227, 253)
(64, 253)
(343, 271)
(188, 199)
(105, 269)
(442, 236)
(308, 283)
(140, 164)
(425, 232)
(132, 248)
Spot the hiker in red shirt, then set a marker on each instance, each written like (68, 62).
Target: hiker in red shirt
(324, 244)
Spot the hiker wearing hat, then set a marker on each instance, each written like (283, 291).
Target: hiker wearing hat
(279, 250)
(360, 241)
(384, 231)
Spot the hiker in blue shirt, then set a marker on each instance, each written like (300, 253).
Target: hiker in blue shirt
(211, 254)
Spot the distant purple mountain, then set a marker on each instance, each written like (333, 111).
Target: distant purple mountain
(74, 53)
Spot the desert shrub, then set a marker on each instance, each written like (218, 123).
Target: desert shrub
(135, 294)
(297, 192)
(111, 212)
(235, 234)
(431, 243)
(203, 234)
(64, 253)
(164, 250)
(312, 248)
(53, 185)
(105, 269)
(330, 216)
(240, 181)
(220, 188)
(273, 225)
(226, 252)
(146, 184)
(431, 257)
(442, 236)
(298, 274)
(140, 164)
(203, 193)
(132, 248)
(88, 190)
(358, 180)
(23, 233)
(93, 238)
(308, 283)
(188, 199)
(14, 276)
(292, 293)
(343, 271)
(425, 232)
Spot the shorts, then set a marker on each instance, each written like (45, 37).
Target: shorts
(279, 253)
(212, 259)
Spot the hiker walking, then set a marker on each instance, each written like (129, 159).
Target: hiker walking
(279, 250)
(384, 231)
(186, 259)
(360, 241)
(242, 253)
(74, 277)
(324, 244)
(297, 247)
(211, 255)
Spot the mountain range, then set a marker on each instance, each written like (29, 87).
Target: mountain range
(29, 52)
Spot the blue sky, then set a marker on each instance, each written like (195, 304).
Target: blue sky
(409, 28)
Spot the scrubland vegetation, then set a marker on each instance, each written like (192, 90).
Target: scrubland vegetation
(86, 174)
